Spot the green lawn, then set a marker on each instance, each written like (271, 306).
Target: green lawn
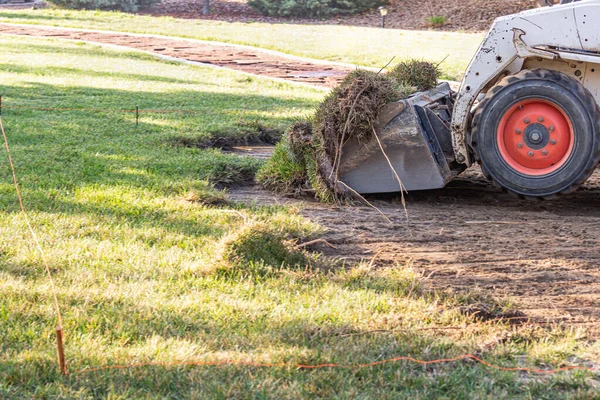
(372, 47)
(146, 271)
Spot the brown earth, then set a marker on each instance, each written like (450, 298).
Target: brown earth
(249, 60)
(472, 238)
(459, 15)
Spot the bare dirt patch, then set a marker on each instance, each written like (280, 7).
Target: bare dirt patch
(258, 136)
(252, 61)
(472, 237)
(459, 15)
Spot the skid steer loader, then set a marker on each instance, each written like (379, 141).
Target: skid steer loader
(526, 111)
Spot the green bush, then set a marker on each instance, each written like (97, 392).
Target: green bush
(312, 8)
(122, 5)
(436, 21)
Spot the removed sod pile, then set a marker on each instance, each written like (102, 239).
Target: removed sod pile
(307, 160)
(261, 247)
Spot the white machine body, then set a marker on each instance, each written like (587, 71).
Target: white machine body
(565, 38)
(526, 111)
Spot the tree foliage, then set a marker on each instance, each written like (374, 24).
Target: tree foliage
(122, 5)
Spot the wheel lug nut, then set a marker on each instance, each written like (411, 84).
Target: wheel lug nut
(520, 145)
(551, 129)
(520, 107)
(545, 152)
(530, 154)
(527, 120)
(553, 141)
(519, 131)
(541, 119)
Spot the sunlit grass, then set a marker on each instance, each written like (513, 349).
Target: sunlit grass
(136, 257)
(372, 47)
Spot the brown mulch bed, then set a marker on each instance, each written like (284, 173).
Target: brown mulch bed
(460, 15)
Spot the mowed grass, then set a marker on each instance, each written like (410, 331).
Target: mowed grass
(373, 47)
(142, 275)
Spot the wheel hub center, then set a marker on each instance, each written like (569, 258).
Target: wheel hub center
(536, 136)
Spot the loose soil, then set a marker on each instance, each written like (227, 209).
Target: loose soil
(471, 237)
(249, 60)
(459, 15)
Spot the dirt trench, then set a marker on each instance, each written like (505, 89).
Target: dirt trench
(244, 59)
(470, 236)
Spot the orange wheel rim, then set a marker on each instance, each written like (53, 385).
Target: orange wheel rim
(535, 137)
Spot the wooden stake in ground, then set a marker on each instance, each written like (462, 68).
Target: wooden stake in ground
(61, 351)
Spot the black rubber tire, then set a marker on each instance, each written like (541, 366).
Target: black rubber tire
(577, 103)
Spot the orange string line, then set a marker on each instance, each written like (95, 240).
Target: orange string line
(33, 234)
(342, 366)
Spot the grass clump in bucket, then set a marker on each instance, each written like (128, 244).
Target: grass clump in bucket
(420, 75)
(309, 156)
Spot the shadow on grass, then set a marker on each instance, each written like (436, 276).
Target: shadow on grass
(217, 326)
(102, 166)
(142, 332)
(19, 69)
(67, 149)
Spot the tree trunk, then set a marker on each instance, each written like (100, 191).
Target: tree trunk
(206, 8)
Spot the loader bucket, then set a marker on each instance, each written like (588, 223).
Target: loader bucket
(415, 136)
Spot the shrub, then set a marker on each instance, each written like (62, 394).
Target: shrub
(313, 8)
(122, 5)
(436, 21)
